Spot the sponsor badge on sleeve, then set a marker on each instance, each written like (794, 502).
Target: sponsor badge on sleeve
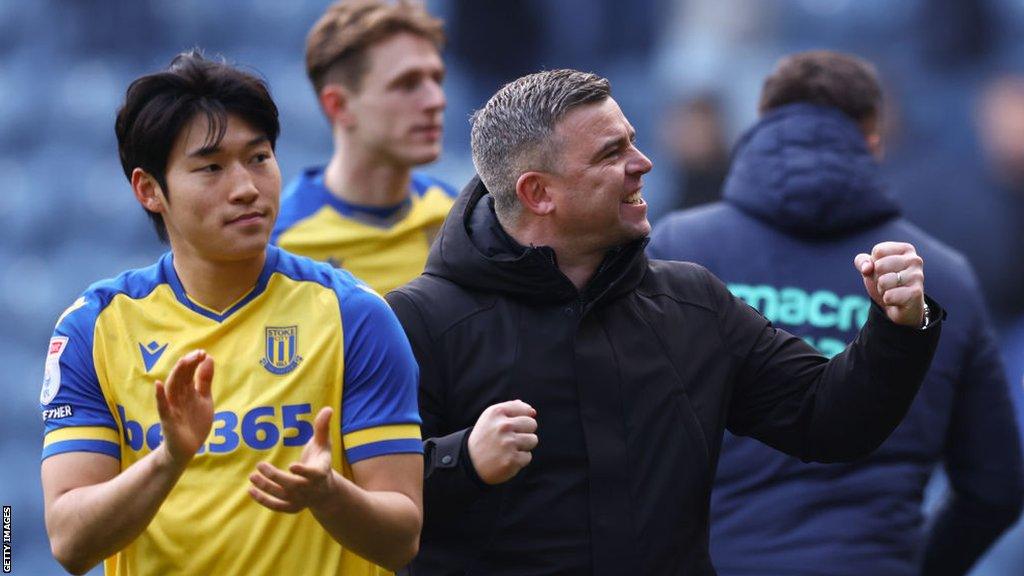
(51, 374)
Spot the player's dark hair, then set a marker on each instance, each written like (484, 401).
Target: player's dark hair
(827, 78)
(157, 106)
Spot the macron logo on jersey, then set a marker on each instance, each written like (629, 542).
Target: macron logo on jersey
(151, 353)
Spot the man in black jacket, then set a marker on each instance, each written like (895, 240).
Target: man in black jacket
(539, 317)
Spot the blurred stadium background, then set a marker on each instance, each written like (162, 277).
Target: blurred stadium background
(686, 72)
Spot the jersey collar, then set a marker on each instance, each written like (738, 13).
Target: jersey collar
(269, 265)
(346, 208)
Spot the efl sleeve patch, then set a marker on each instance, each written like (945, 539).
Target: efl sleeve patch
(51, 372)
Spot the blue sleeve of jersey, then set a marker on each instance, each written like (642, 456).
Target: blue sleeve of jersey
(75, 413)
(379, 410)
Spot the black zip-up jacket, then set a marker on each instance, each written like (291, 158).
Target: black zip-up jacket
(634, 379)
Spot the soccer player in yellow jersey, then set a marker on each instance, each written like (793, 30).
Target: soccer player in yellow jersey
(300, 453)
(377, 72)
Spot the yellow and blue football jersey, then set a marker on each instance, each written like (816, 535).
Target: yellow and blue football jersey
(307, 336)
(384, 247)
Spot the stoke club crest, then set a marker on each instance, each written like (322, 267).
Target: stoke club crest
(281, 349)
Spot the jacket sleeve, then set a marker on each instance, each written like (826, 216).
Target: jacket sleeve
(790, 397)
(982, 460)
(450, 481)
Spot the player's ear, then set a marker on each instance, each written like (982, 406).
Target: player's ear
(334, 101)
(872, 128)
(534, 192)
(148, 191)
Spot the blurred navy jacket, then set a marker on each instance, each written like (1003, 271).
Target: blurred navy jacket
(802, 199)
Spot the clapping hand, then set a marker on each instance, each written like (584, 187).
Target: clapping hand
(185, 405)
(306, 482)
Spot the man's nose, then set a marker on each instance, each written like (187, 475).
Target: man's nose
(435, 99)
(243, 185)
(640, 163)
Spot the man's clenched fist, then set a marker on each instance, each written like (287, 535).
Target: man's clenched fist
(501, 440)
(894, 278)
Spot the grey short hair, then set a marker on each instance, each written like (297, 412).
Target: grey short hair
(511, 133)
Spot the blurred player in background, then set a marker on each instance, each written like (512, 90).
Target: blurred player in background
(377, 71)
(156, 465)
(694, 131)
(802, 192)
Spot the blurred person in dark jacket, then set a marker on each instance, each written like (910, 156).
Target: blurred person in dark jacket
(1000, 121)
(803, 191)
(574, 393)
(973, 198)
(694, 132)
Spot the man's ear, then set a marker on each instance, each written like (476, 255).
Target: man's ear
(148, 191)
(334, 101)
(875, 146)
(534, 192)
(871, 128)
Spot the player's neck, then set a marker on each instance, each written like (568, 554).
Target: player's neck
(217, 285)
(365, 182)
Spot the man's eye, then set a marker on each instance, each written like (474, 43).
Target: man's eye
(210, 168)
(408, 84)
(261, 157)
